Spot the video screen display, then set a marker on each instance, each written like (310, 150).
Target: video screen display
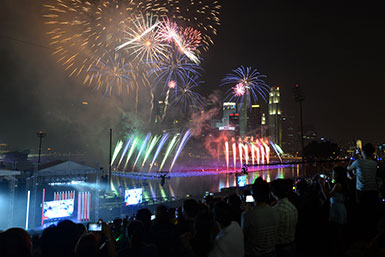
(58, 209)
(133, 196)
(242, 180)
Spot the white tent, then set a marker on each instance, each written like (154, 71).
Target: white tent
(65, 168)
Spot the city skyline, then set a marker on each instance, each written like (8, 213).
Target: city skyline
(328, 62)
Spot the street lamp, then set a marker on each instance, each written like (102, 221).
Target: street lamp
(40, 135)
(299, 97)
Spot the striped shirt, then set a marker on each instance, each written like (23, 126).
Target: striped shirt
(288, 216)
(260, 225)
(366, 171)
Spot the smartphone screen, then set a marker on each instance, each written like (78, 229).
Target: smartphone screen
(152, 217)
(249, 199)
(95, 227)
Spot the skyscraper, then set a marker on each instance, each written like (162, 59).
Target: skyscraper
(290, 134)
(159, 111)
(254, 119)
(275, 113)
(242, 110)
(228, 108)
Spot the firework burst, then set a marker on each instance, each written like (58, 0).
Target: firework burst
(111, 73)
(185, 95)
(82, 31)
(170, 33)
(249, 84)
(201, 15)
(168, 30)
(175, 67)
(143, 40)
(191, 38)
(239, 90)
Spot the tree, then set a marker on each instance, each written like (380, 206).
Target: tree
(323, 150)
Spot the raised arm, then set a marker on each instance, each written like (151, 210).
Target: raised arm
(336, 188)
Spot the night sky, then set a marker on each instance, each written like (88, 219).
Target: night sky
(335, 51)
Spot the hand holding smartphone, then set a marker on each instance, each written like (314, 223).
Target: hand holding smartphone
(249, 199)
(95, 226)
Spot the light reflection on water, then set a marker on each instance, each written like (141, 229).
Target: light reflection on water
(180, 184)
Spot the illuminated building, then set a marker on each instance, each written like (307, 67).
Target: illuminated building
(275, 113)
(290, 135)
(234, 120)
(242, 110)
(263, 125)
(228, 108)
(254, 118)
(263, 119)
(159, 111)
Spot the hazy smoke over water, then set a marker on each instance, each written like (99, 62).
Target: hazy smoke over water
(200, 120)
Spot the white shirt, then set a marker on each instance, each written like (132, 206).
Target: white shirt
(366, 171)
(229, 242)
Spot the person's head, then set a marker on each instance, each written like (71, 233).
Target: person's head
(15, 242)
(261, 191)
(368, 150)
(190, 209)
(48, 241)
(339, 174)
(117, 223)
(87, 246)
(208, 199)
(144, 215)
(67, 237)
(203, 234)
(222, 213)
(234, 201)
(161, 214)
(172, 213)
(279, 188)
(136, 233)
(80, 229)
(289, 185)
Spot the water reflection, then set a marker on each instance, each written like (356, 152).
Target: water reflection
(178, 185)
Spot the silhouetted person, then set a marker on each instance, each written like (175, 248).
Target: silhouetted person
(365, 171)
(288, 217)
(15, 242)
(205, 230)
(190, 210)
(229, 241)
(144, 215)
(235, 205)
(337, 211)
(138, 248)
(163, 232)
(87, 246)
(260, 223)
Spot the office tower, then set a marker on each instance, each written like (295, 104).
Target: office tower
(228, 108)
(275, 112)
(290, 134)
(254, 119)
(242, 110)
(159, 110)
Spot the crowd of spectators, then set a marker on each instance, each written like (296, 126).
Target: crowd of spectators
(336, 214)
